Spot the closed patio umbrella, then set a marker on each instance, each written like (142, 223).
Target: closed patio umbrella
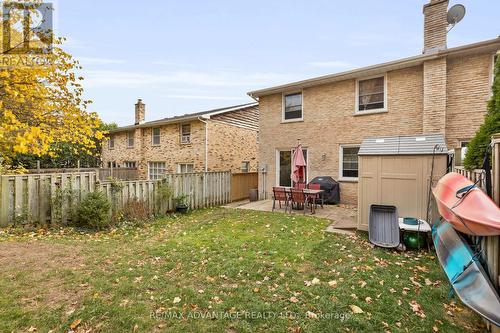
(298, 165)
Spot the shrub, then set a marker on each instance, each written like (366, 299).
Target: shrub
(478, 145)
(93, 211)
(136, 210)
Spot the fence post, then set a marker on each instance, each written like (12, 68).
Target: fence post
(4, 201)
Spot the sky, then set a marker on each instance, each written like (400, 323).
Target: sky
(189, 56)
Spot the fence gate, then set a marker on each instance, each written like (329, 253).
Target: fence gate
(242, 183)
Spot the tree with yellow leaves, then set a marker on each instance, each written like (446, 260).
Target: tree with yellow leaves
(41, 106)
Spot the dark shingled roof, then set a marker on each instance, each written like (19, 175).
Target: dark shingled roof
(188, 116)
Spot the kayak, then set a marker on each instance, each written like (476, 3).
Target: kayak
(466, 207)
(467, 276)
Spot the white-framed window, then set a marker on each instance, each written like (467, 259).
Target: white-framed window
(155, 136)
(371, 95)
(156, 170)
(184, 167)
(292, 107)
(111, 142)
(245, 166)
(284, 166)
(348, 162)
(185, 133)
(112, 164)
(130, 164)
(130, 139)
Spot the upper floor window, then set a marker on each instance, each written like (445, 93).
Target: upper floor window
(245, 166)
(371, 94)
(156, 136)
(130, 139)
(185, 167)
(185, 133)
(348, 162)
(292, 109)
(111, 142)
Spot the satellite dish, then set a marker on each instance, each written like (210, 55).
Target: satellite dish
(455, 14)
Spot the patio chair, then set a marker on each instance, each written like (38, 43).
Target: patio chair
(279, 194)
(300, 199)
(300, 186)
(318, 196)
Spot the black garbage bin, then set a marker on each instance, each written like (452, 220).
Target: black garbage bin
(331, 188)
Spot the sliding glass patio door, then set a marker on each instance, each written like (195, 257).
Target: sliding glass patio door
(284, 167)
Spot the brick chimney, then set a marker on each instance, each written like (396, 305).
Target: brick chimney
(140, 112)
(435, 26)
(435, 70)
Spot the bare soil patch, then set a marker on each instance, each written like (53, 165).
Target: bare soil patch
(35, 268)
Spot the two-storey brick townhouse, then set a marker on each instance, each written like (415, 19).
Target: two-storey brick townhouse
(443, 90)
(216, 140)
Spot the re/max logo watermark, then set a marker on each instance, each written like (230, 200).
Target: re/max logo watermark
(27, 28)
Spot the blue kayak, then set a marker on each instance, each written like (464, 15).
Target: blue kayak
(467, 277)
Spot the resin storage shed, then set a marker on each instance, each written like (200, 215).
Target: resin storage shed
(396, 171)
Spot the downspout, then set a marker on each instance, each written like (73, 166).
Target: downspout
(206, 143)
(206, 161)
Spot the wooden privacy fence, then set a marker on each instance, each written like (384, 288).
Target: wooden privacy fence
(117, 173)
(42, 198)
(242, 183)
(103, 174)
(203, 189)
(477, 176)
(50, 198)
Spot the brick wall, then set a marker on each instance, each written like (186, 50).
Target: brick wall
(434, 105)
(228, 146)
(435, 25)
(468, 91)
(329, 119)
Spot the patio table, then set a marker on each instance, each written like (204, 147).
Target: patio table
(308, 192)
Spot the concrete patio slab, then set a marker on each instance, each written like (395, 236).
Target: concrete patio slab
(343, 217)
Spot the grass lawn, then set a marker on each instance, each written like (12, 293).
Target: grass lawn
(220, 270)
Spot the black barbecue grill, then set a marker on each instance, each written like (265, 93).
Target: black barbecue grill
(331, 188)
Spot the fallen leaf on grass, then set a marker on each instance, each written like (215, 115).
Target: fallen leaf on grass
(332, 283)
(422, 269)
(362, 284)
(176, 300)
(293, 299)
(32, 329)
(417, 309)
(75, 324)
(412, 279)
(355, 309)
(368, 300)
(435, 329)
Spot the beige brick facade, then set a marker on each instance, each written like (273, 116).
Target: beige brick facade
(441, 91)
(329, 119)
(228, 145)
